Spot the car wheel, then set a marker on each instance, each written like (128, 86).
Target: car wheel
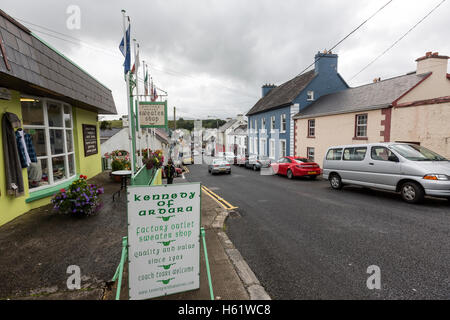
(412, 192)
(336, 182)
(289, 174)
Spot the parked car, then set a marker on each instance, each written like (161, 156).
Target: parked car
(296, 167)
(256, 162)
(228, 156)
(410, 169)
(187, 160)
(219, 165)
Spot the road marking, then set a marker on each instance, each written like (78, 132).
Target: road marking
(225, 204)
(186, 169)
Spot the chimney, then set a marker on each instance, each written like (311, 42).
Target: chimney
(266, 89)
(326, 62)
(433, 62)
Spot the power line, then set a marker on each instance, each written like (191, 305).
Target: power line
(403, 36)
(77, 41)
(348, 35)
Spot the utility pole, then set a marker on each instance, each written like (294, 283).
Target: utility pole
(174, 118)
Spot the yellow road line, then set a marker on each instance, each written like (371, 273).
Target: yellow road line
(225, 204)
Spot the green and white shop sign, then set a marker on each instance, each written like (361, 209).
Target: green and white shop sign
(153, 114)
(164, 239)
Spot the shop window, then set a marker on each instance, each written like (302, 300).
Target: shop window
(50, 125)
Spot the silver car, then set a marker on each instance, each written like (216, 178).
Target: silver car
(410, 169)
(219, 166)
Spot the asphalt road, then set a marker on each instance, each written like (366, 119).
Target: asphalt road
(306, 241)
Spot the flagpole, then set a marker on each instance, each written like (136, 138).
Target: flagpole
(128, 95)
(138, 129)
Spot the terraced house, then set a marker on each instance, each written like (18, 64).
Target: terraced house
(270, 121)
(414, 108)
(54, 104)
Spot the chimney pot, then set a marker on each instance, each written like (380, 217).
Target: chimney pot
(428, 54)
(436, 54)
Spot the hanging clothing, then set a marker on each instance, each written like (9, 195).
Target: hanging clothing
(27, 154)
(13, 168)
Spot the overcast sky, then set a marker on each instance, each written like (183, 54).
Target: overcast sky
(213, 56)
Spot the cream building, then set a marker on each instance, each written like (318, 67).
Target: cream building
(409, 108)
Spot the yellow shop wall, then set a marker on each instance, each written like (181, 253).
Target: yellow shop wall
(11, 207)
(92, 165)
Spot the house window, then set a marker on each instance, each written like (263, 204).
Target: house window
(311, 128)
(283, 123)
(49, 123)
(256, 126)
(255, 145)
(361, 126)
(282, 148)
(310, 153)
(263, 123)
(272, 123)
(263, 147)
(272, 148)
(310, 96)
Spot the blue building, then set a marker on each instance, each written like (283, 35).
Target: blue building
(270, 121)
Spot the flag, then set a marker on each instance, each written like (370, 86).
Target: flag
(126, 51)
(155, 95)
(146, 81)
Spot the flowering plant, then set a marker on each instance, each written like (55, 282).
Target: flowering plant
(81, 198)
(120, 160)
(155, 160)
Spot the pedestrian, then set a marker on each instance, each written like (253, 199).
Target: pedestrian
(169, 170)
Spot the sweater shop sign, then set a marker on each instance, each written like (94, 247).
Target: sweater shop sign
(153, 114)
(164, 240)
(90, 140)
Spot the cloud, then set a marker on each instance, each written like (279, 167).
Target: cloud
(213, 56)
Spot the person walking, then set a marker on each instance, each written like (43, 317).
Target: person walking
(169, 170)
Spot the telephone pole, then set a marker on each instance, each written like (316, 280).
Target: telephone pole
(174, 118)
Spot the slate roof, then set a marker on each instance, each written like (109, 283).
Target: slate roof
(227, 125)
(108, 133)
(367, 97)
(37, 69)
(283, 94)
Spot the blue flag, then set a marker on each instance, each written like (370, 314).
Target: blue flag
(126, 51)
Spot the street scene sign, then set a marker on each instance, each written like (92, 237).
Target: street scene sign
(164, 240)
(153, 114)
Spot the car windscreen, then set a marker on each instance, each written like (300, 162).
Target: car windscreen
(303, 160)
(219, 162)
(417, 153)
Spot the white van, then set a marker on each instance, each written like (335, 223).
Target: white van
(410, 169)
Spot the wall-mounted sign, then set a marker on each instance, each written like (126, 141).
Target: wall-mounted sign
(90, 140)
(153, 114)
(164, 240)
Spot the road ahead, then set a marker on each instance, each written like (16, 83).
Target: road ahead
(306, 241)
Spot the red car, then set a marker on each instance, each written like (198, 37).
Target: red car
(296, 167)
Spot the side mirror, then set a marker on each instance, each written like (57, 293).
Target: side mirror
(393, 158)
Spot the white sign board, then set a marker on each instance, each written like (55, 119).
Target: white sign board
(164, 239)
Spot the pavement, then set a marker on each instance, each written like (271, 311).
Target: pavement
(304, 240)
(37, 248)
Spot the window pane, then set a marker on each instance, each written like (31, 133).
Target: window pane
(54, 115)
(32, 113)
(67, 117)
(69, 140)
(59, 169)
(56, 141)
(38, 138)
(71, 164)
(38, 174)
